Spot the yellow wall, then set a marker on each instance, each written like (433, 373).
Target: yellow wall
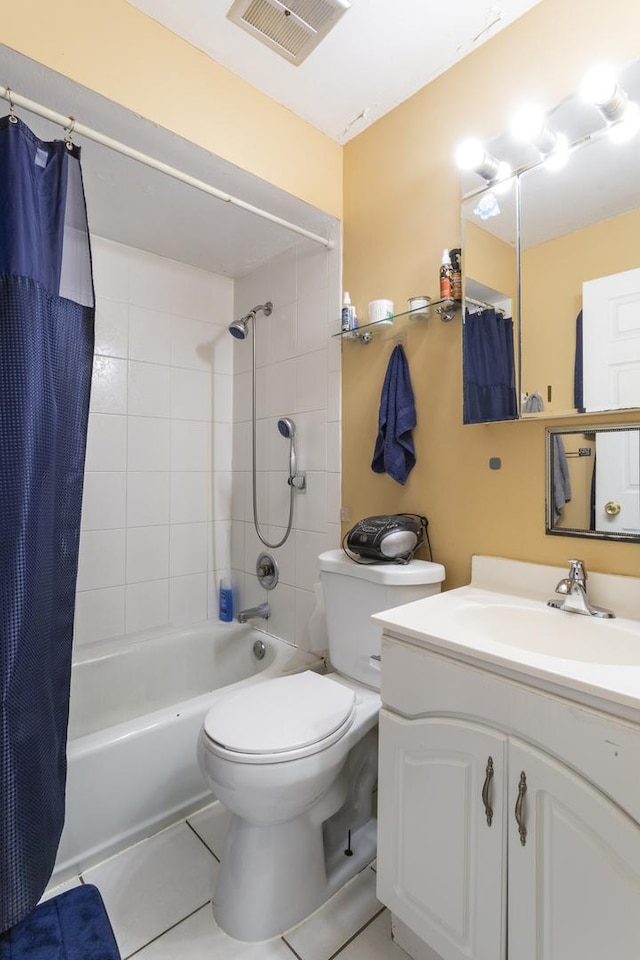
(401, 208)
(552, 275)
(111, 47)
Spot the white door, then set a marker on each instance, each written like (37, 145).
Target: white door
(617, 495)
(574, 886)
(441, 868)
(611, 341)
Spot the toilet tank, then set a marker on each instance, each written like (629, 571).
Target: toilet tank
(353, 592)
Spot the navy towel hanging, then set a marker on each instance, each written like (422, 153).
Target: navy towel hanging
(394, 451)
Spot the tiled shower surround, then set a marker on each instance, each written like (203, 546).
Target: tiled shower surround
(168, 450)
(298, 376)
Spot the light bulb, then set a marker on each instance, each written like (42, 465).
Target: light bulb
(625, 129)
(528, 122)
(503, 178)
(558, 158)
(469, 154)
(599, 85)
(601, 88)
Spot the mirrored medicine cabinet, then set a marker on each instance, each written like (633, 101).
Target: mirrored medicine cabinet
(593, 482)
(559, 252)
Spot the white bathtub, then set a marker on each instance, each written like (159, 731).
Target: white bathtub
(136, 709)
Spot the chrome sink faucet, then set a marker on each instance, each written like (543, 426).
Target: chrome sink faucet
(574, 592)
(263, 610)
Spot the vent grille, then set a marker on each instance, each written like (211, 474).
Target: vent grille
(278, 25)
(315, 13)
(292, 28)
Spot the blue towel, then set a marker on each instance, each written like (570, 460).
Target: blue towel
(72, 926)
(561, 480)
(394, 451)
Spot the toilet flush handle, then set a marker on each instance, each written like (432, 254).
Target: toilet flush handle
(375, 661)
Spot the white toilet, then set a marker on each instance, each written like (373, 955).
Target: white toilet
(295, 760)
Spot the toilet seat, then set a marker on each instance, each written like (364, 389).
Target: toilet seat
(280, 719)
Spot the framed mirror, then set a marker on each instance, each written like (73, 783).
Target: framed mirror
(577, 299)
(593, 482)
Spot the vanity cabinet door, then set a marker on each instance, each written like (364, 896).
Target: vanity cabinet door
(574, 887)
(441, 866)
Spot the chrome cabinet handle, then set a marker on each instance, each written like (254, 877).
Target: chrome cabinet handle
(488, 809)
(522, 789)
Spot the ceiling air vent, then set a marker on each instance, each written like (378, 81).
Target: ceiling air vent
(292, 29)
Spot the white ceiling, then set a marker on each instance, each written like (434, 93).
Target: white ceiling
(379, 53)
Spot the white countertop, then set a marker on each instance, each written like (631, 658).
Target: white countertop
(467, 623)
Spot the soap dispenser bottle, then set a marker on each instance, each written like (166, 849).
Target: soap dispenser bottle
(445, 276)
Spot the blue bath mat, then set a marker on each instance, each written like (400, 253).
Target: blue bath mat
(72, 926)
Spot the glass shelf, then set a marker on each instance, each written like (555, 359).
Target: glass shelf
(446, 309)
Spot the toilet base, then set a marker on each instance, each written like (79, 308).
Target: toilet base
(273, 876)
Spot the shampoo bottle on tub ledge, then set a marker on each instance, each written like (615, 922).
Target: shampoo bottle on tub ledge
(226, 600)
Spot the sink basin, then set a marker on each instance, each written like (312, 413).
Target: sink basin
(552, 633)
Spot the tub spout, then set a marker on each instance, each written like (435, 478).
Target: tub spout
(263, 610)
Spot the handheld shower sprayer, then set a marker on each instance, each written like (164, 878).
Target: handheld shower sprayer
(287, 429)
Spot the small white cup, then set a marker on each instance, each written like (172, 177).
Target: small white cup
(419, 307)
(381, 311)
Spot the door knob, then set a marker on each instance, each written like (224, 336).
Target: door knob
(612, 508)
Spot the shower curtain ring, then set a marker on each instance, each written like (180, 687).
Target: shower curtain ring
(69, 131)
(12, 109)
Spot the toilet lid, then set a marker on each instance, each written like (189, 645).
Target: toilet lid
(280, 715)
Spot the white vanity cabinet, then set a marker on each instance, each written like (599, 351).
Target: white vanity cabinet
(563, 777)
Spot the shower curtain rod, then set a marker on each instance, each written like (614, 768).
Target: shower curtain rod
(70, 124)
(483, 303)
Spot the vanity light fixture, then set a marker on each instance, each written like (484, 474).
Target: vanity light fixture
(471, 155)
(626, 128)
(601, 88)
(503, 178)
(559, 155)
(530, 124)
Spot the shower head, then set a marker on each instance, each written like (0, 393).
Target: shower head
(287, 428)
(240, 328)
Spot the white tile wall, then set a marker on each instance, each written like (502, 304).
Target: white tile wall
(153, 481)
(298, 377)
(169, 444)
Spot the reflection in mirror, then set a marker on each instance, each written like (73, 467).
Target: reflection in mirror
(580, 279)
(490, 327)
(593, 482)
(578, 258)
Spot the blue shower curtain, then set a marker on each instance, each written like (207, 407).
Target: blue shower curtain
(489, 391)
(46, 349)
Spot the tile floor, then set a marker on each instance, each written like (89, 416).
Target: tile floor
(158, 892)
